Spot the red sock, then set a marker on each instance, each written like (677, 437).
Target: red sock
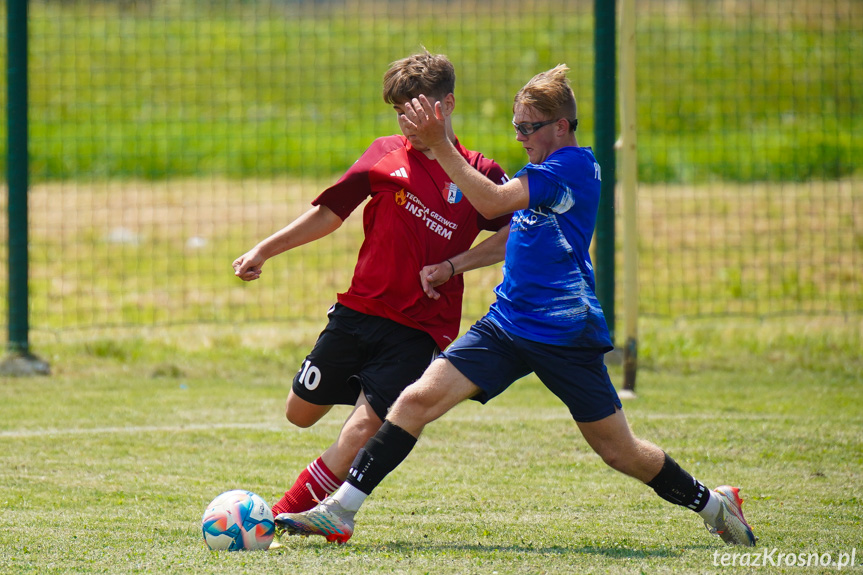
(300, 497)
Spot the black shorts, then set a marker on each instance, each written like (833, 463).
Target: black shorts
(357, 353)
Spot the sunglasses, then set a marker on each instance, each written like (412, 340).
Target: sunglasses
(528, 128)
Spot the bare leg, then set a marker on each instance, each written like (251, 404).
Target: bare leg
(360, 425)
(612, 439)
(441, 388)
(323, 475)
(302, 413)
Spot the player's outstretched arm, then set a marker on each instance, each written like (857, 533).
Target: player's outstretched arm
(312, 225)
(488, 252)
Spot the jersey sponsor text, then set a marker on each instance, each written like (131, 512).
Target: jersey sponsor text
(433, 221)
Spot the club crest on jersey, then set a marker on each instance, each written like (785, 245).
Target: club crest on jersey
(401, 197)
(454, 194)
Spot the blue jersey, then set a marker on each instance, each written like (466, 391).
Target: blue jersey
(548, 292)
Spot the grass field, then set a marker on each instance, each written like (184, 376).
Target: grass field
(125, 253)
(107, 465)
(168, 137)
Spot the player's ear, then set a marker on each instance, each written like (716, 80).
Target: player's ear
(448, 104)
(562, 127)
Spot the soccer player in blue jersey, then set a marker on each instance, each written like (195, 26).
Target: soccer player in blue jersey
(546, 320)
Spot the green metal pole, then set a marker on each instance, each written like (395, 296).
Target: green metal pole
(605, 64)
(17, 166)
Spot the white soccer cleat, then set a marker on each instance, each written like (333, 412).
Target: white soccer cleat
(731, 526)
(328, 519)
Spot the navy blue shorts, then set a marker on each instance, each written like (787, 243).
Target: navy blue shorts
(493, 359)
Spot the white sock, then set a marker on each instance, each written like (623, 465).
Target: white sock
(711, 511)
(349, 497)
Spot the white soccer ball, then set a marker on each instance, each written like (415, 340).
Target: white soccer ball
(238, 520)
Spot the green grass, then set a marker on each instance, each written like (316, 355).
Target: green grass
(119, 253)
(167, 138)
(174, 89)
(107, 464)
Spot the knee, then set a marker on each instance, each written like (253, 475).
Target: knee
(300, 420)
(615, 459)
(636, 460)
(617, 451)
(411, 409)
(412, 401)
(304, 414)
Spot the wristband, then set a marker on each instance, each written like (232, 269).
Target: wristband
(453, 269)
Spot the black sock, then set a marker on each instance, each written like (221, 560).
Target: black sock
(676, 485)
(383, 453)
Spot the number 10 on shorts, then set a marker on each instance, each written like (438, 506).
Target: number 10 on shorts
(310, 376)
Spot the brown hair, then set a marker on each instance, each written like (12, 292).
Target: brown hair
(549, 93)
(423, 73)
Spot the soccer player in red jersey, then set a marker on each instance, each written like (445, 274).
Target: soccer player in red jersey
(404, 302)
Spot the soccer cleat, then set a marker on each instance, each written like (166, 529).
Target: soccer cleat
(730, 525)
(327, 519)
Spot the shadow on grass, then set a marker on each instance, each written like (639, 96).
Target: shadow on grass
(413, 547)
(607, 551)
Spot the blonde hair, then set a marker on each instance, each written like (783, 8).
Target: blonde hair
(549, 93)
(423, 73)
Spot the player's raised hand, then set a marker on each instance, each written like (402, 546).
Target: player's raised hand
(427, 120)
(247, 267)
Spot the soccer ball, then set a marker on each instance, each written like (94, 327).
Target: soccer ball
(238, 520)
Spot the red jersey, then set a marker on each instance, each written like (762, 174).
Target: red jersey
(416, 217)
